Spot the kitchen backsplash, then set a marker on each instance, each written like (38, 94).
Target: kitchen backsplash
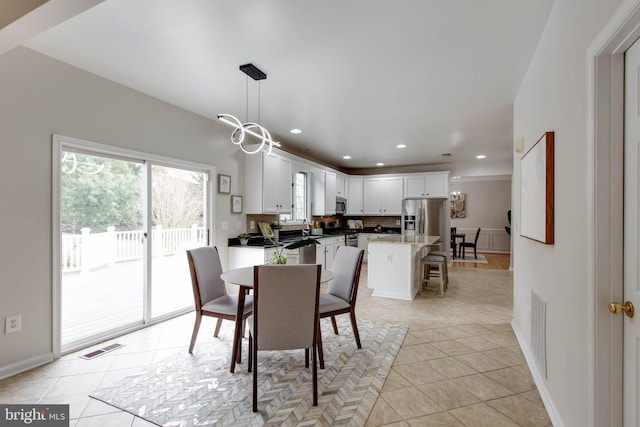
(338, 220)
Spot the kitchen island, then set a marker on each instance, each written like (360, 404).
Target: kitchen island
(394, 265)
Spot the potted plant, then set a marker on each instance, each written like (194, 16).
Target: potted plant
(244, 238)
(278, 257)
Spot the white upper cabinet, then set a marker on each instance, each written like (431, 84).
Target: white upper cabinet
(341, 186)
(427, 185)
(267, 184)
(324, 193)
(354, 196)
(383, 196)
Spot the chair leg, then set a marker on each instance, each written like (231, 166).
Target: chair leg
(475, 253)
(194, 335)
(239, 351)
(354, 326)
(255, 377)
(319, 344)
(314, 371)
(441, 274)
(306, 357)
(250, 355)
(218, 325)
(335, 325)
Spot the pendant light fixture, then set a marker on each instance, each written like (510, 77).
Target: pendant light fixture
(254, 129)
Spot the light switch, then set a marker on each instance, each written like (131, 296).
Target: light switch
(224, 225)
(518, 145)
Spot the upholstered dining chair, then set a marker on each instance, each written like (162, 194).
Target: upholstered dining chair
(473, 245)
(285, 315)
(210, 293)
(340, 297)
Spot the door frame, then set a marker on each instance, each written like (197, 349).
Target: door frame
(60, 142)
(605, 149)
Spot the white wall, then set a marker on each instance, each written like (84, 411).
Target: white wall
(553, 97)
(486, 204)
(41, 97)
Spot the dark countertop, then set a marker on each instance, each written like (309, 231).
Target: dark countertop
(290, 236)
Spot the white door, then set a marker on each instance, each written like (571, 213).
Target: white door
(631, 382)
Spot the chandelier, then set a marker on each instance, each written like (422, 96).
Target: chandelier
(241, 130)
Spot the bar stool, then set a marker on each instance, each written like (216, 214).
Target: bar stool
(446, 268)
(433, 265)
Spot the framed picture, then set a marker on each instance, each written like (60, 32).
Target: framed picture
(536, 191)
(236, 204)
(224, 184)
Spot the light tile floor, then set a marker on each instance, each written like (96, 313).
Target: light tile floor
(460, 364)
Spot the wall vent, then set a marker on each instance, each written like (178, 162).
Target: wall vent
(539, 331)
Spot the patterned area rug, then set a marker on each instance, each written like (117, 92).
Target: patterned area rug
(470, 258)
(199, 390)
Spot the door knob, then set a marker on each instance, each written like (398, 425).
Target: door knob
(617, 308)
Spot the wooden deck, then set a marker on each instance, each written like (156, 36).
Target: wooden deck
(111, 297)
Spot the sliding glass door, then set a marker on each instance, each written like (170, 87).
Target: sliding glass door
(125, 224)
(102, 246)
(177, 217)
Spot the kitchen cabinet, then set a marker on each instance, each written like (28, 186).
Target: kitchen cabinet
(383, 196)
(326, 250)
(267, 184)
(354, 196)
(341, 189)
(324, 193)
(426, 185)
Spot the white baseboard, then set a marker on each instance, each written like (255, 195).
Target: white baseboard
(25, 365)
(537, 378)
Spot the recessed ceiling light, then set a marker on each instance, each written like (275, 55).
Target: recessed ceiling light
(455, 177)
(481, 156)
(401, 146)
(379, 164)
(347, 157)
(296, 131)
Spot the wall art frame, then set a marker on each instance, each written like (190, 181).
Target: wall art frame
(236, 204)
(537, 190)
(224, 184)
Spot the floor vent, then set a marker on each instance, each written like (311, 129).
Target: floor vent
(101, 351)
(539, 331)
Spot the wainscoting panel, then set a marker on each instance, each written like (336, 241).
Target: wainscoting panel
(490, 239)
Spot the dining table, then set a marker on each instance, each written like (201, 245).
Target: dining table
(243, 277)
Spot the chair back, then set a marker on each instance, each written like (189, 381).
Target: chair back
(205, 268)
(475, 242)
(346, 269)
(285, 305)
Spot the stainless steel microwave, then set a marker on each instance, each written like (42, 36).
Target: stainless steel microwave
(341, 205)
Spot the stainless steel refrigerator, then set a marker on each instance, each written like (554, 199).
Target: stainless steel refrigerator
(425, 217)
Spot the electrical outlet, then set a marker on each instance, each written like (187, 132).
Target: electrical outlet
(12, 323)
(397, 222)
(252, 225)
(238, 225)
(224, 225)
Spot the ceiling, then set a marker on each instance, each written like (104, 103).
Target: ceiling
(357, 77)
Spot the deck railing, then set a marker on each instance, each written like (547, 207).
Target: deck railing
(87, 250)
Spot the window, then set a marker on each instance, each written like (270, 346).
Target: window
(299, 212)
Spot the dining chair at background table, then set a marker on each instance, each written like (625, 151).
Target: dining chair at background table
(341, 294)
(473, 245)
(210, 292)
(285, 315)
